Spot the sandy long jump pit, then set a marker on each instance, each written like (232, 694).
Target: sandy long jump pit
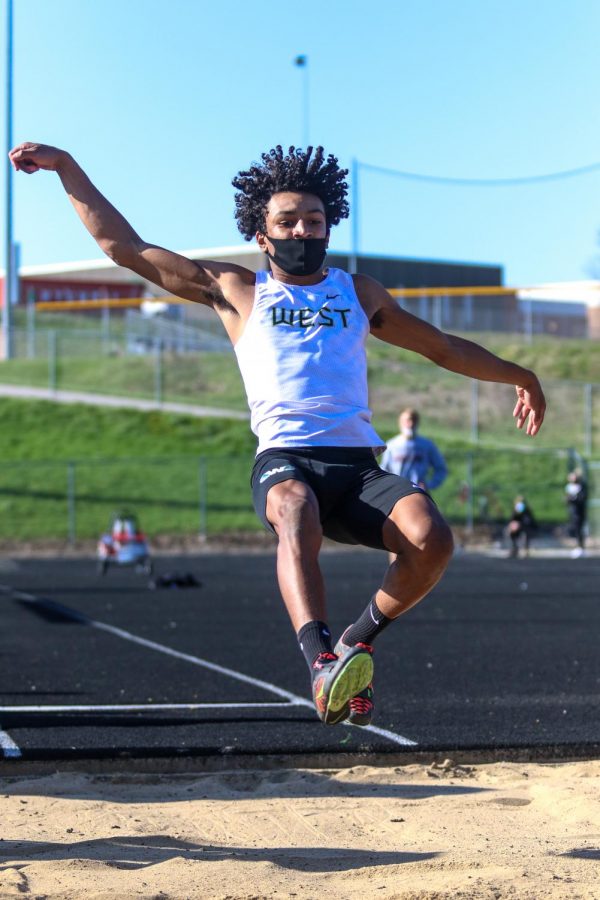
(514, 830)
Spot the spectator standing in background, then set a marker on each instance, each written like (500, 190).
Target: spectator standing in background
(522, 524)
(412, 456)
(576, 499)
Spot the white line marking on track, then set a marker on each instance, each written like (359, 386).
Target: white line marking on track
(141, 707)
(223, 670)
(9, 749)
(294, 699)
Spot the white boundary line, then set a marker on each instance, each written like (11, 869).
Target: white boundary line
(294, 699)
(10, 750)
(141, 707)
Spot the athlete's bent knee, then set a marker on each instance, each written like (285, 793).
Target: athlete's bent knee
(415, 528)
(439, 543)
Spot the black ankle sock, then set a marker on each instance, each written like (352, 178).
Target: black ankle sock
(314, 638)
(367, 626)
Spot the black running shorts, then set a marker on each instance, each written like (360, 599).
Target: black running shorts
(355, 495)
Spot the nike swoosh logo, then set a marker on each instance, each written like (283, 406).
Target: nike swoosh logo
(331, 296)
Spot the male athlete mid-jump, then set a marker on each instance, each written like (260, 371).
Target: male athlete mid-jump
(299, 333)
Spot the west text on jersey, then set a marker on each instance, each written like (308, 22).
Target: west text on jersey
(306, 318)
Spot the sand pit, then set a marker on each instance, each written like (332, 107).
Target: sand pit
(515, 830)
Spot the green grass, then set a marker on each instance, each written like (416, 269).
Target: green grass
(445, 401)
(151, 462)
(182, 474)
(40, 430)
(555, 358)
(166, 493)
(208, 379)
(397, 378)
(576, 360)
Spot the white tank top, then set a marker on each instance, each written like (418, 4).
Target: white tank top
(304, 366)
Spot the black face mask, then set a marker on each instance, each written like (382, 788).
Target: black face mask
(299, 256)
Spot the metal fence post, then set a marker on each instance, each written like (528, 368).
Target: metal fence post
(52, 360)
(203, 497)
(474, 411)
(158, 373)
(106, 329)
(437, 311)
(30, 324)
(470, 492)
(588, 413)
(529, 320)
(71, 512)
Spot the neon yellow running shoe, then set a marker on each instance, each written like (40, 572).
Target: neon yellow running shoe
(362, 705)
(337, 680)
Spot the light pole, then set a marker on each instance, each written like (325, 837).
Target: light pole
(8, 255)
(302, 63)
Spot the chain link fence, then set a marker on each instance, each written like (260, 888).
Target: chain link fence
(175, 362)
(455, 408)
(208, 496)
(198, 374)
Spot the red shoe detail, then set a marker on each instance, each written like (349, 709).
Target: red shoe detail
(360, 707)
(336, 680)
(324, 659)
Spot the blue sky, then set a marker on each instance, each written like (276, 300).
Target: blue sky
(162, 103)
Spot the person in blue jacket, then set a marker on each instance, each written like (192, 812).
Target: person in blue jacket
(412, 456)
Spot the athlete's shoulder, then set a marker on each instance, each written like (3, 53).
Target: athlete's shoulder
(230, 292)
(366, 284)
(233, 285)
(371, 294)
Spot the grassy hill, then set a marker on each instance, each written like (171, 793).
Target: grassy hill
(397, 378)
(574, 360)
(66, 468)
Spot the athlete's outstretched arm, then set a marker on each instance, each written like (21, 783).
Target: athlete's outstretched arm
(115, 236)
(395, 326)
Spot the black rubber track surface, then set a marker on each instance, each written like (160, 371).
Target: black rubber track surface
(502, 654)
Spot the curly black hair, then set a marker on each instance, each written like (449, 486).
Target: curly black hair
(298, 171)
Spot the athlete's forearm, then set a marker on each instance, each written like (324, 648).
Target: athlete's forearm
(468, 358)
(111, 231)
(395, 326)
